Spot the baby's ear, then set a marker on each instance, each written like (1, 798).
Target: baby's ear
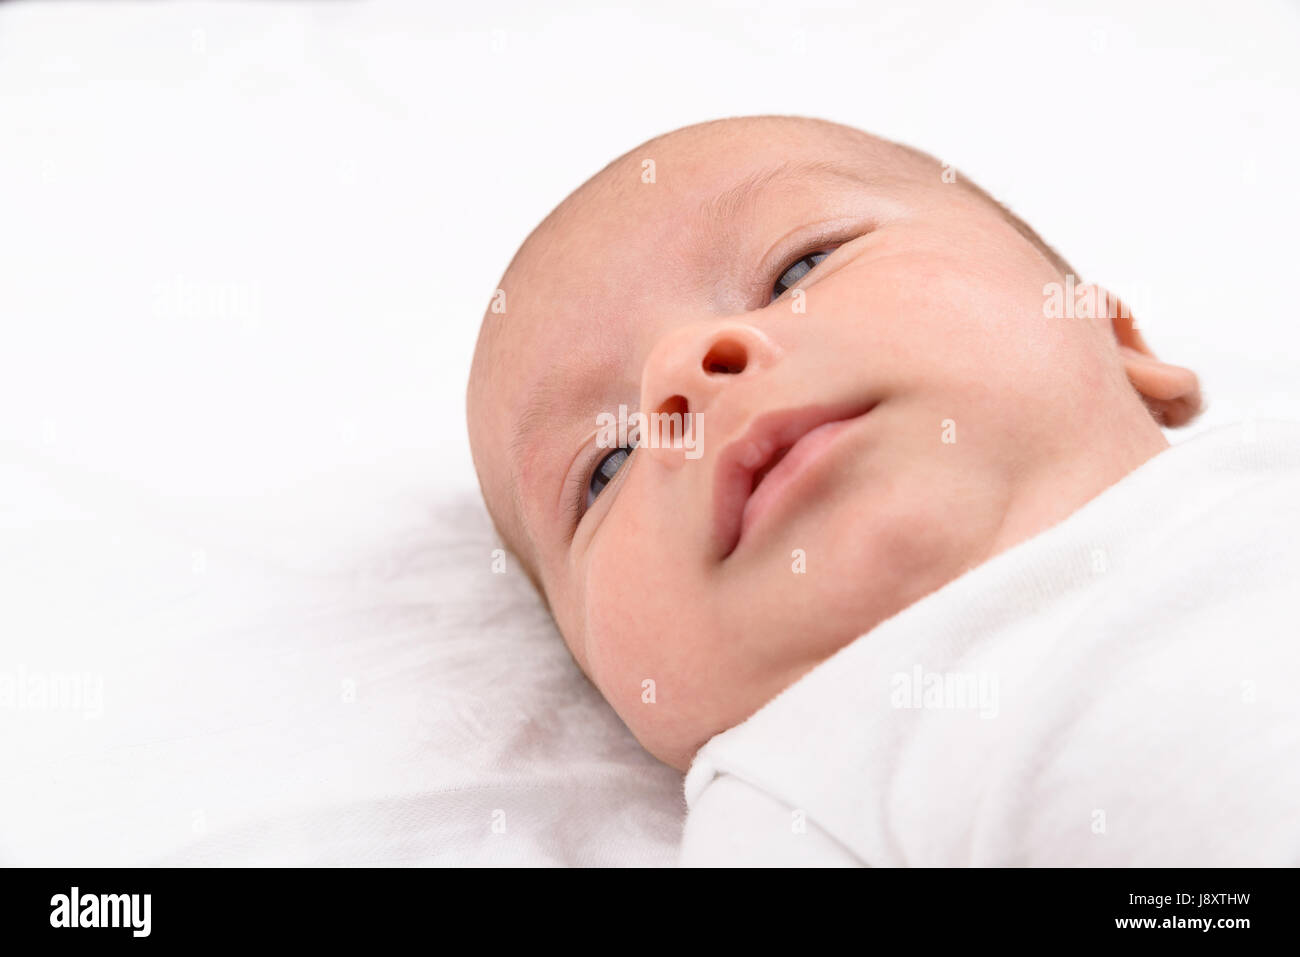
(1172, 393)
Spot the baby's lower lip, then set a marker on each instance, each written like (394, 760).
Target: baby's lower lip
(779, 482)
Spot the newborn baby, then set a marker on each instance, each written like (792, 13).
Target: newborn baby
(890, 382)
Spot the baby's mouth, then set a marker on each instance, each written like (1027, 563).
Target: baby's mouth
(749, 461)
(761, 474)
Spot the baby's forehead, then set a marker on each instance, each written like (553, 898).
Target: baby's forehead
(695, 171)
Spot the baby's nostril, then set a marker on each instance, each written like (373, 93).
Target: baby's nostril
(727, 357)
(676, 403)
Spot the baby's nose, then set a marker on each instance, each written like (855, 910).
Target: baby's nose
(685, 373)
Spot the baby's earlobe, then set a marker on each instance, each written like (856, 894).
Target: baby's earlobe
(1172, 393)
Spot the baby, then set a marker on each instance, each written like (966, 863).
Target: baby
(888, 383)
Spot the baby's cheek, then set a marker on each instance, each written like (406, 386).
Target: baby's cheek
(638, 611)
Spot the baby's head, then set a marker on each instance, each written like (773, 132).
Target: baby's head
(788, 283)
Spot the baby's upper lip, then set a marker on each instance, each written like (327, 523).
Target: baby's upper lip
(753, 450)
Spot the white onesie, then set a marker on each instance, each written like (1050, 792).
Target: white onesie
(1122, 688)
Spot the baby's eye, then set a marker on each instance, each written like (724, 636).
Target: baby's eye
(604, 472)
(796, 272)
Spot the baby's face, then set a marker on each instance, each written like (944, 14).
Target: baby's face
(932, 414)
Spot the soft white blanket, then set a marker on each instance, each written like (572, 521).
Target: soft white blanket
(1118, 690)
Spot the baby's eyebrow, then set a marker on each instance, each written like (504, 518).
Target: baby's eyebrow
(548, 396)
(555, 392)
(722, 209)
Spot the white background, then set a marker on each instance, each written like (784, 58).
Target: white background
(244, 249)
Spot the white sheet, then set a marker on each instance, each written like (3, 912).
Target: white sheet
(243, 252)
(405, 706)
